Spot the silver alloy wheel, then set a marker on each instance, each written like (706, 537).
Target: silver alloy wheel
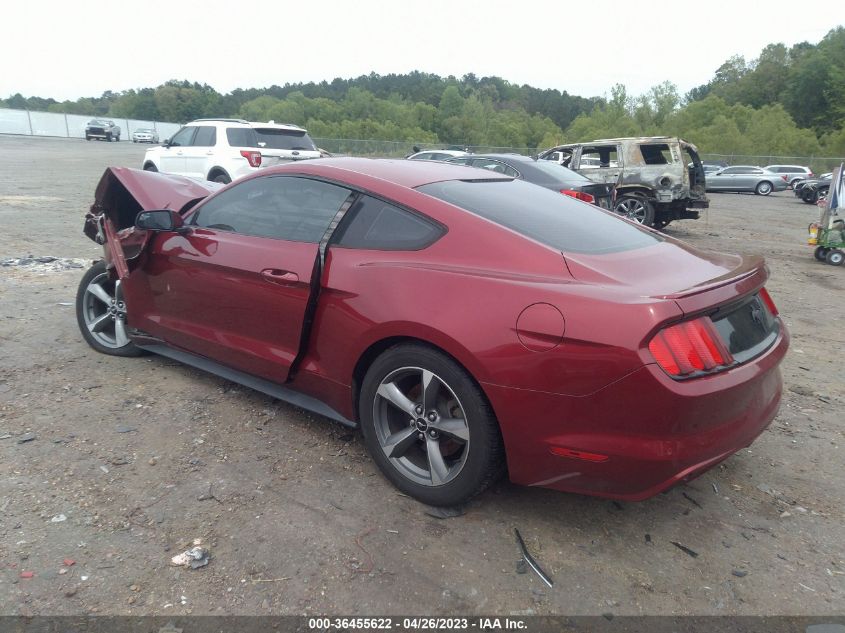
(421, 426)
(764, 188)
(104, 312)
(632, 209)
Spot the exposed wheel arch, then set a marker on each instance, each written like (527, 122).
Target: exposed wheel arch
(150, 166)
(218, 174)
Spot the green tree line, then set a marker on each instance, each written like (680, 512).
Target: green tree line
(787, 102)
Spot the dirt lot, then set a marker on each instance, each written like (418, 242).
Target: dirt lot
(132, 459)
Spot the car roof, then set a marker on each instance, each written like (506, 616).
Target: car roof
(451, 152)
(519, 157)
(276, 126)
(406, 173)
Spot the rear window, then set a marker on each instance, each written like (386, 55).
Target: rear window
(272, 138)
(241, 137)
(544, 215)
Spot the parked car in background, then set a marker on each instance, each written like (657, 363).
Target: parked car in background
(437, 154)
(811, 194)
(543, 173)
(653, 183)
(222, 150)
(102, 129)
(468, 322)
(793, 173)
(145, 135)
(747, 178)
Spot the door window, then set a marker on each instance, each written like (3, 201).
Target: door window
(599, 156)
(280, 207)
(183, 137)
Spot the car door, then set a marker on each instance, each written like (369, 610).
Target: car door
(722, 180)
(172, 157)
(199, 154)
(600, 163)
(235, 285)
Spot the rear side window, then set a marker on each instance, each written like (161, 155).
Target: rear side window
(274, 138)
(657, 154)
(376, 225)
(241, 137)
(544, 215)
(206, 136)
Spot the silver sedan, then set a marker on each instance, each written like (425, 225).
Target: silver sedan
(746, 178)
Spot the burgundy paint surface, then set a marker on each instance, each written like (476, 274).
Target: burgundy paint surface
(558, 345)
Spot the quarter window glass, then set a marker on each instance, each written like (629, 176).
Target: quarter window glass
(494, 165)
(206, 136)
(241, 137)
(183, 137)
(374, 224)
(281, 207)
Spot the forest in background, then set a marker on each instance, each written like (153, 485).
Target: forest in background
(786, 102)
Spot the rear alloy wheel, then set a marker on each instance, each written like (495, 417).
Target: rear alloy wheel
(101, 313)
(636, 209)
(763, 188)
(820, 253)
(835, 257)
(428, 426)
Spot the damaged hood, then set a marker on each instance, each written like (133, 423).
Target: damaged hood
(150, 190)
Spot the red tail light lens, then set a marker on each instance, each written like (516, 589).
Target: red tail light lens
(579, 195)
(254, 158)
(767, 299)
(689, 347)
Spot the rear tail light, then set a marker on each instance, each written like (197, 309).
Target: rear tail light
(579, 195)
(767, 299)
(254, 158)
(689, 347)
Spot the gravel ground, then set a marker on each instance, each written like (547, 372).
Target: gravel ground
(133, 459)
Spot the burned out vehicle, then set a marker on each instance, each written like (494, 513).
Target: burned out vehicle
(658, 179)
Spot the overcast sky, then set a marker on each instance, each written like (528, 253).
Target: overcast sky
(69, 49)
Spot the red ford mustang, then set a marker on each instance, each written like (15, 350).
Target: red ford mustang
(469, 323)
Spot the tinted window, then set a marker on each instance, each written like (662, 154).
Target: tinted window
(183, 137)
(206, 136)
(284, 139)
(543, 215)
(494, 165)
(374, 224)
(241, 137)
(282, 207)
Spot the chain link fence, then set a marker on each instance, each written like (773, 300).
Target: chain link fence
(31, 123)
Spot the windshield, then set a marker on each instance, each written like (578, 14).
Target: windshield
(543, 215)
(274, 138)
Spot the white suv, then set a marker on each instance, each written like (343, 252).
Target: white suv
(223, 150)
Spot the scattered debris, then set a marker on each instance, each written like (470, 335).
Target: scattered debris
(104, 469)
(715, 488)
(119, 461)
(739, 573)
(28, 437)
(685, 549)
(58, 518)
(521, 566)
(5, 436)
(194, 558)
(806, 587)
(70, 593)
(125, 429)
(44, 264)
(691, 500)
(648, 538)
(257, 580)
(27, 574)
(365, 569)
(530, 560)
(207, 496)
(393, 531)
(444, 513)
(785, 514)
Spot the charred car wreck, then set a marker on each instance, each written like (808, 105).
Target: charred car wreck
(658, 179)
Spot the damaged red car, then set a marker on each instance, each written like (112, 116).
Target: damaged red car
(469, 323)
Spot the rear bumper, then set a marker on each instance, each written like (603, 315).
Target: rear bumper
(652, 431)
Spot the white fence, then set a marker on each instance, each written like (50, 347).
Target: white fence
(33, 123)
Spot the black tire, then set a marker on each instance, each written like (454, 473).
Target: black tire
(108, 137)
(763, 188)
(820, 253)
(471, 466)
(794, 182)
(661, 224)
(835, 257)
(635, 208)
(117, 138)
(87, 138)
(150, 167)
(91, 309)
(221, 178)
(810, 196)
